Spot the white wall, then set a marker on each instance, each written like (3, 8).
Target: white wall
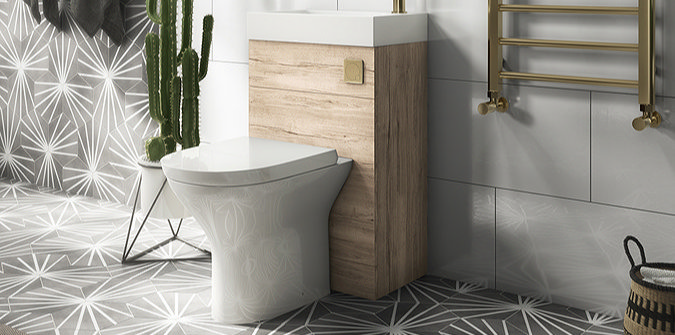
(535, 201)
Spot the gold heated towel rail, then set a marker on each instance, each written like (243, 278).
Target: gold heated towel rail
(645, 49)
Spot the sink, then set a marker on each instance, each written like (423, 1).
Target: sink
(367, 29)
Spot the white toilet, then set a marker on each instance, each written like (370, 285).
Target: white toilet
(264, 206)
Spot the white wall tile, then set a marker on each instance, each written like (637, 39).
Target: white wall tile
(229, 36)
(630, 168)
(541, 145)
(224, 102)
(461, 229)
(571, 252)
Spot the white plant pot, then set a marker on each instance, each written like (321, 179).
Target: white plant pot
(152, 178)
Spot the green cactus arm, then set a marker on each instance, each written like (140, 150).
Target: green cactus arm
(175, 109)
(190, 74)
(168, 62)
(152, 60)
(151, 7)
(169, 144)
(190, 93)
(187, 28)
(206, 46)
(190, 123)
(155, 148)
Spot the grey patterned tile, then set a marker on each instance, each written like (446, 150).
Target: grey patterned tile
(426, 290)
(170, 313)
(483, 304)
(481, 326)
(348, 304)
(24, 273)
(416, 318)
(30, 322)
(293, 322)
(71, 282)
(535, 316)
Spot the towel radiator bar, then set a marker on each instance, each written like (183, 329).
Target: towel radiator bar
(645, 49)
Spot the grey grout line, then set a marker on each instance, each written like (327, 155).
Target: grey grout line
(229, 62)
(495, 258)
(590, 147)
(556, 197)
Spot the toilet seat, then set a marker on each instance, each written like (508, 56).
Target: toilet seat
(245, 161)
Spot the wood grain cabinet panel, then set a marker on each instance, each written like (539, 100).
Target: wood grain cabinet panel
(378, 223)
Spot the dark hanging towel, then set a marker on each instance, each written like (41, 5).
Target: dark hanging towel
(55, 12)
(93, 15)
(34, 9)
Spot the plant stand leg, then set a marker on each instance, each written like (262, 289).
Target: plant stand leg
(174, 232)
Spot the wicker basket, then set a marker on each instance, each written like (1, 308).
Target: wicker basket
(651, 307)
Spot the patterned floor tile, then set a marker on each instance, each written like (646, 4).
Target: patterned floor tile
(191, 277)
(426, 290)
(294, 322)
(170, 314)
(29, 322)
(475, 326)
(60, 273)
(24, 273)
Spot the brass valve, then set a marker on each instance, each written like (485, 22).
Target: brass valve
(648, 119)
(495, 104)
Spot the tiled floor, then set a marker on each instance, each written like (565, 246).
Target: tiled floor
(61, 275)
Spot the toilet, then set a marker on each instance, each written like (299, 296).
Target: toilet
(264, 207)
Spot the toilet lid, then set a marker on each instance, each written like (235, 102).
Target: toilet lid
(244, 161)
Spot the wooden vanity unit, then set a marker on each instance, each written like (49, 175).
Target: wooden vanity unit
(378, 225)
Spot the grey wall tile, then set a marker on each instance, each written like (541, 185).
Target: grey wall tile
(541, 145)
(571, 252)
(667, 70)
(630, 168)
(458, 39)
(462, 232)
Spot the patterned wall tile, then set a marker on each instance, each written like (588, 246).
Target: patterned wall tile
(73, 109)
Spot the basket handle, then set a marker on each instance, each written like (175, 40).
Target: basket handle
(639, 245)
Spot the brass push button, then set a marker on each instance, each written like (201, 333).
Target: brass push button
(354, 71)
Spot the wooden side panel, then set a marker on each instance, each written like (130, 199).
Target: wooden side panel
(308, 67)
(401, 163)
(382, 154)
(353, 278)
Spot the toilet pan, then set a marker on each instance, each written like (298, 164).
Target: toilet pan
(264, 207)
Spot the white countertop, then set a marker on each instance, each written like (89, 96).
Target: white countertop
(368, 29)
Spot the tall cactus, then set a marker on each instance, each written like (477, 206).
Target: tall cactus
(164, 84)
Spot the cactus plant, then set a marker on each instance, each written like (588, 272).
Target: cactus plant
(164, 84)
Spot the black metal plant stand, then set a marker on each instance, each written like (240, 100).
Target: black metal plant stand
(174, 232)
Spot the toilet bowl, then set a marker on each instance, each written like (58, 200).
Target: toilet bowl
(264, 207)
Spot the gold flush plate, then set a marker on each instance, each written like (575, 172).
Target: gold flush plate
(354, 71)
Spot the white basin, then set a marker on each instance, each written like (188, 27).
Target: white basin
(367, 29)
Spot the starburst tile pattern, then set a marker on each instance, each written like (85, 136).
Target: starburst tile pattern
(70, 105)
(60, 274)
